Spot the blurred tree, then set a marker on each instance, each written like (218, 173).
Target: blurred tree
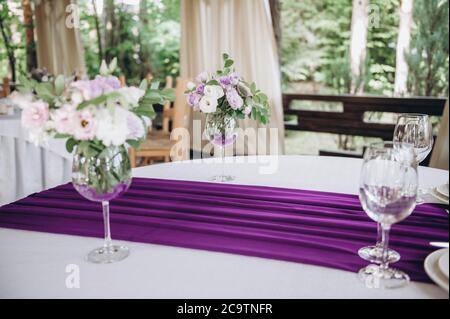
(12, 33)
(358, 44)
(429, 55)
(403, 41)
(144, 37)
(98, 30)
(29, 35)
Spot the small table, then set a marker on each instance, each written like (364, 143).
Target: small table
(26, 168)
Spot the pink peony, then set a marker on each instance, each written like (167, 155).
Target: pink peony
(85, 125)
(35, 115)
(64, 119)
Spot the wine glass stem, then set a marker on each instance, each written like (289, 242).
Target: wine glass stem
(385, 244)
(108, 242)
(379, 236)
(223, 159)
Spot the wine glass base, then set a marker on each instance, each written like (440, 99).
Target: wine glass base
(373, 276)
(374, 254)
(107, 255)
(223, 178)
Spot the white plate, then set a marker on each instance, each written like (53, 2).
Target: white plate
(432, 268)
(443, 190)
(443, 264)
(439, 196)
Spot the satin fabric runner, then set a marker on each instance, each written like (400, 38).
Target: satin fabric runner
(318, 228)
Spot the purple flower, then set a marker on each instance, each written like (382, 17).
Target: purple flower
(234, 99)
(248, 110)
(193, 99)
(202, 77)
(100, 85)
(235, 77)
(225, 81)
(200, 89)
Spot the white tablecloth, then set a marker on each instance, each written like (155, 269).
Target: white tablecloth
(26, 168)
(34, 264)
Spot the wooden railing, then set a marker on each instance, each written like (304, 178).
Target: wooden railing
(351, 120)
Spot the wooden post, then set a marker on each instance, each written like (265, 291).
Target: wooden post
(122, 80)
(6, 87)
(29, 35)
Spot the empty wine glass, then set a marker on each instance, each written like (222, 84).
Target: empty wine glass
(388, 191)
(417, 130)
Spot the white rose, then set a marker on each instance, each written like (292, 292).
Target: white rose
(213, 91)
(208, 104)
(131, 95)
(76, 98)
(190, 86)
(112, 126)
(22, 100)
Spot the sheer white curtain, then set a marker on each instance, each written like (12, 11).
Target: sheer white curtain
(59, 46)
(242, 28)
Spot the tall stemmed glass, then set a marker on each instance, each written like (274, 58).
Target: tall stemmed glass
(417, 130)
(220, 130)
(388, 191)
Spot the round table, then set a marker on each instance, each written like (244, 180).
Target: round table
(37, 264)
(26, 168)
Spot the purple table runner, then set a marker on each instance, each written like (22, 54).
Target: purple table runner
(318, 228)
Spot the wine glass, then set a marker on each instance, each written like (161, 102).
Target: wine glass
(417, 130)
(387, 191)
(220, 130)
(102, 177)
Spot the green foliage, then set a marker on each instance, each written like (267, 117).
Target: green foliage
(316, 40)
(381, 47)
(144, 40)
(12, 25)
(428, 59)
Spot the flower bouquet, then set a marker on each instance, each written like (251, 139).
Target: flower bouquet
(226, 97)
(98, 118)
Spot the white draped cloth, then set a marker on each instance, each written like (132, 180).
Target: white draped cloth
(59, 46)
(26, 168)
(244, 30)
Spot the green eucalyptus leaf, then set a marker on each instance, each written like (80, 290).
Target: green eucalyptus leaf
(212, 82)
(134, 143)
(154, 85)
(59, 84)
(144, 85)
(70, 144)
(98, 100)
(228, 63)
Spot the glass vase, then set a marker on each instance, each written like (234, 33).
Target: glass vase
(220, 130)
(101, 177)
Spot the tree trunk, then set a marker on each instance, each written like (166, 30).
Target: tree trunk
(9, 50)
(98, 31)
(29, 35)
(275, 9)
(110, 27)
(403, 41)
(358, 44)
(144, 52)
